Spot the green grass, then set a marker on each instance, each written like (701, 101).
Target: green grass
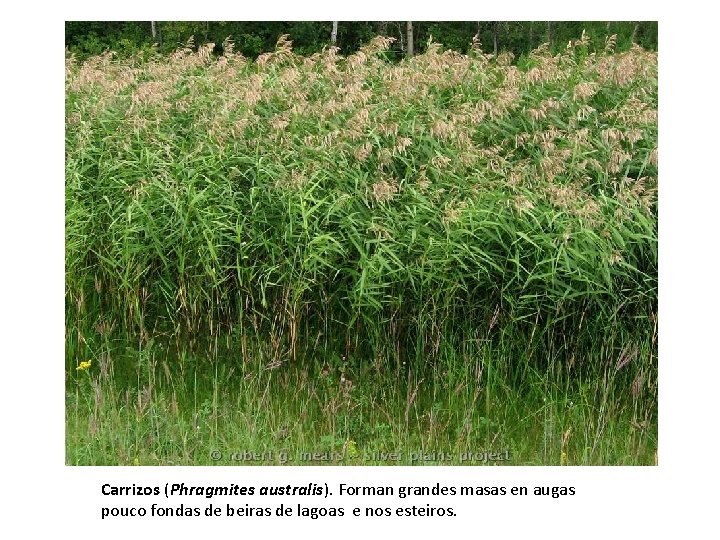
(472, 243)
(152, 406)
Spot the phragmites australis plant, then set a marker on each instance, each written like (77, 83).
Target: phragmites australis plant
(444, 198)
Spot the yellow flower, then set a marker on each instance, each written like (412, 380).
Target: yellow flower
(563, 458)
(84, 365)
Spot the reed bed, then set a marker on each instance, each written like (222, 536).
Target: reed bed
(389, 207)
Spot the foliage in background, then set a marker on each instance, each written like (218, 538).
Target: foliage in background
(253, 38)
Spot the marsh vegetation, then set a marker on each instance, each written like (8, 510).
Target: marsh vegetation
(347, 255)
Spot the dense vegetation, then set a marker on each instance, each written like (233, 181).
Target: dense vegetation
(253, 38)
(454, 218)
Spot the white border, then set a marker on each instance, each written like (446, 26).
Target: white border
(42, 495)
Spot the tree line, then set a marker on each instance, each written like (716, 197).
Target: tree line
(252, 38)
